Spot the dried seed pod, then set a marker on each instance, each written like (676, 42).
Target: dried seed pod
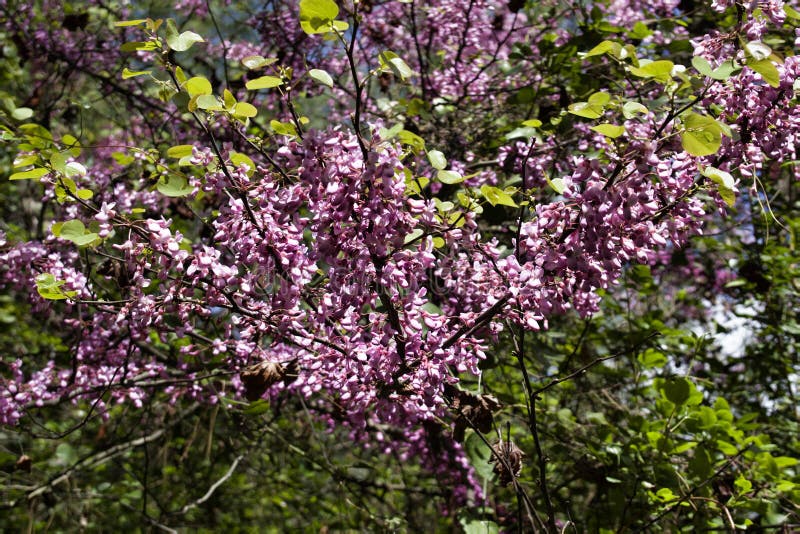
(471, 410)
(511, 467)
(257, 378)
(115, 270)
(24, 463)
(291, 370)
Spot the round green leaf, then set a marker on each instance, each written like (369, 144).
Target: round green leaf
(449, 177)
(321, 76)
(702, 135)
(243, 109)
(317, 16)
(179, 151)
(257, 62)
(22, 114)
(174, 186)
(677, 390)
(437, 159)
(585, 109)
(198, 85)
(609, 130)
(184, 41)
(495, 196)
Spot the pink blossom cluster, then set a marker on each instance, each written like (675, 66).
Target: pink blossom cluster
(321, 254)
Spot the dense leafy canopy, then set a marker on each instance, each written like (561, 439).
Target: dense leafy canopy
(400, 265)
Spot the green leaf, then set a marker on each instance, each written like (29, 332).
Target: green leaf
(257, 62)
(173, 185)
(726, 448)
(395, 63)
(665, 495)
(640, 31)
(257, 407)
(676, 390)
(586, 110)
(72, 144)
(532, 123)
(243, 109)
(660, 70)
(630, 109)
(557, 184)
(31, 174)
(767, 71)
(495, 196)
(592, 109)
(318, 16)
(238, 159)
(64, 187)
(126, 23)
(600, 98)
(228, 99)
(24, 161)
(49, 287)
(414, 186)
(702, 135)
(127, 73)
(652, 358)
(706, 417)
(700, 464)
(449, 177)
(321, 76)
(22, 114)
(73, 168)
(179, 151)
(180, 75)
(75, 231)
(723, 72)
(525, 132)
(84, 194)
(411, 139)
(437, 159)
(605, 47)
(785, 461)
(122, 159)
(757, 50)
(479, 526)
(723, 178)
(479, 455)
(609, 130)
(198, 85)
(208, 102)
(264, 82)
(414, 234)
(135, 46)
(183, 41)
(742, 484)
(59, 162)
(283, 128)
(702, 65)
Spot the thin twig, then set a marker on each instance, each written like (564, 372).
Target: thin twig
(692, 491)
(591, 364)
(213, 487)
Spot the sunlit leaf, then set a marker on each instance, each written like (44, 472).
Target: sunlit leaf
(31, 174)
(496, 196)
(264, 82)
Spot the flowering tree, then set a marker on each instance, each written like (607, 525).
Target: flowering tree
(457, 235)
